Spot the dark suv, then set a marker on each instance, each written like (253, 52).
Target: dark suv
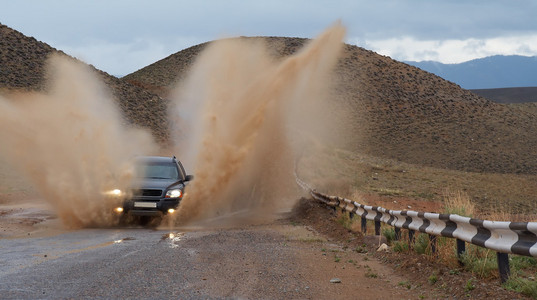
(158, 188)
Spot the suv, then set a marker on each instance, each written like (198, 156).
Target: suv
(158, 188)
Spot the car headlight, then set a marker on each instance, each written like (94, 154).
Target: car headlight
(114, 192)
(175, 193)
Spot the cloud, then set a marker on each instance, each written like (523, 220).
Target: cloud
(403, 29)
(122, 58)
(452, 50)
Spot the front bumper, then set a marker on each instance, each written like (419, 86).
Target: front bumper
(141, 207)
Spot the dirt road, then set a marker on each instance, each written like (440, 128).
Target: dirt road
(276, 260)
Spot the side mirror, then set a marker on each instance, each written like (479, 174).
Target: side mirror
(189, 177)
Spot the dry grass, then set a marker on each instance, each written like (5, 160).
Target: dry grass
(503, 215)
(343, 173)
(458, 202)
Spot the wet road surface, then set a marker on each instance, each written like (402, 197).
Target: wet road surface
(145, 263)
(110, 263)
(271, 261)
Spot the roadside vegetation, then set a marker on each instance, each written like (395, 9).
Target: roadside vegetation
(480, 262)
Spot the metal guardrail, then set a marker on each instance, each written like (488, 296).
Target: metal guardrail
(504, 237)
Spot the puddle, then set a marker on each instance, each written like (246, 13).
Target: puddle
(125, 239)
(173, 238)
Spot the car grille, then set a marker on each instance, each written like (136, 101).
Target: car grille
(149, 193)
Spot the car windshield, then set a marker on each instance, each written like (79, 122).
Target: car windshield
(157, 171)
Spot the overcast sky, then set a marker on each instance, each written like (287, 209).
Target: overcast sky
(122, 36)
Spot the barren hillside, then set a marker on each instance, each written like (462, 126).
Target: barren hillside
(22, 67)
(398, 111)
(402, 112)
(509, 95)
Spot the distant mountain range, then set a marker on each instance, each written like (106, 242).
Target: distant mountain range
(491, 72)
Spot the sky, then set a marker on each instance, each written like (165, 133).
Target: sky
(122, 36)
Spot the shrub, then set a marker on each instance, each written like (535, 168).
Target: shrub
(519, 263)
(361, 249)
(400, 246)
(469, 285)
(480, 261)
(525, 286)
(405, 284)
(389, 233)
(421, 244)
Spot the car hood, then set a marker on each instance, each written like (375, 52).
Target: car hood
(148, 183)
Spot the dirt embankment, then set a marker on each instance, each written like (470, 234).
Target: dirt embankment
(409, 271)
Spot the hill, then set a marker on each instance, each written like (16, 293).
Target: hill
(397, 111)
(401, 112)
(159, 77)
(497, 71)
(509, 95)
(22, 68)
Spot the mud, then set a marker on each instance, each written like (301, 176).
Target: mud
(241, 117)
(71, 144)
(238, 123)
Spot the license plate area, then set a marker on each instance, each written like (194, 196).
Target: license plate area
(145, 204)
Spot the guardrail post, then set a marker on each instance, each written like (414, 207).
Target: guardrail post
(503, 266)
(432, 239)
(364, 225)
(397, 233)
(461, 247)
(410, 238)
(377, 227)
(351, 215)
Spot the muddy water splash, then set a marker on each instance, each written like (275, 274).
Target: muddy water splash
(71, 143)
(238, 112)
